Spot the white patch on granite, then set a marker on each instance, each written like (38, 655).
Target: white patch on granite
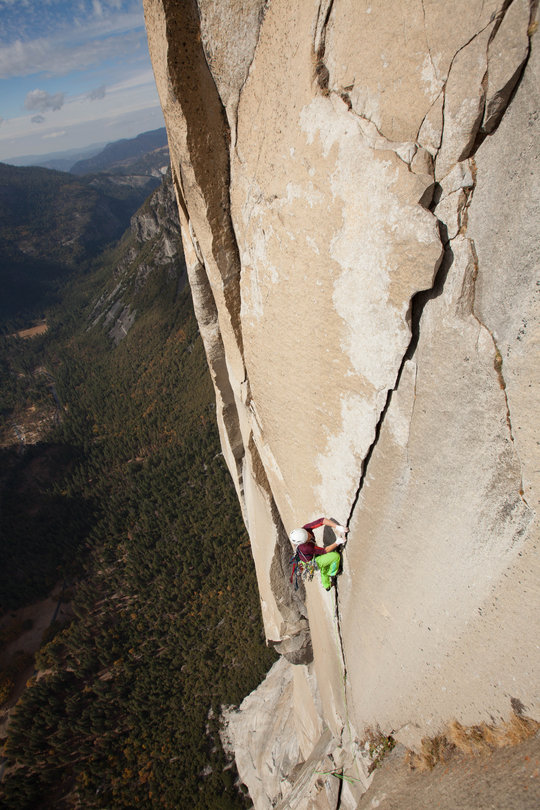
(339, 465)
(375, 218)
(430, 76)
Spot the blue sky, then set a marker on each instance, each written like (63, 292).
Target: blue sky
(73, 74)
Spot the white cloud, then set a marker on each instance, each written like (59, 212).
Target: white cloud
(132, 95)
(57, 56)
(42, 101)
(121, 103)
(24, 139)
(99, 48)
(144, 77)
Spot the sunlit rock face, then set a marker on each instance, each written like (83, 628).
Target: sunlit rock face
(358, 192)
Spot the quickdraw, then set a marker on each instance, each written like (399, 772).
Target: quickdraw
(302, 567)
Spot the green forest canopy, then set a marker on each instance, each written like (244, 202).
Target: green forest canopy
(134, 507)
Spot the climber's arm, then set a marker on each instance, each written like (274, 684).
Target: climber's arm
(334, 525)
(325, 522)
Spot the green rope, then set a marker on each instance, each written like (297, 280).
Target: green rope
(338, 776)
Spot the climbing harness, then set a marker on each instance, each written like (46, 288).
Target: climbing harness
(302, 567)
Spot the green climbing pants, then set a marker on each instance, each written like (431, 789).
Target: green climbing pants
(328, 565)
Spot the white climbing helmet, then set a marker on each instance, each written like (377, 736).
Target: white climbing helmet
(298, 536)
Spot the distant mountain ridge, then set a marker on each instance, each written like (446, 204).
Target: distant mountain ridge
(53, 224)
(124, 153)
(61, 161)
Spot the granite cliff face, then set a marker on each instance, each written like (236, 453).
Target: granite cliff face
(358, 193)
(152, 242)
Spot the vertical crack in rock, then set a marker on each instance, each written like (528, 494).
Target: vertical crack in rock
(479, 130)
(180, 196)
(322, 75)
(201, 170)
(417, 304)
(464, 153)
(207, 142)
(416, 308)
(262, 15)
(295, 642)
(207, 317)
(482, 133)
(323, 16)
(342, 654)
(230, 35)
(435, 72)
(422, 122)
(340, 790)
(496, 106)
(497, 363)
(420, 299)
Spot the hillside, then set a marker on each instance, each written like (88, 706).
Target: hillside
(359, 199)
(126, 154)
(32, 400)
(126, 498)
(61, 161)
(52, 225)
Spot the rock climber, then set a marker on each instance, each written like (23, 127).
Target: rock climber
(326, 559)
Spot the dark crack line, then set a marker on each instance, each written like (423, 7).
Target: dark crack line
(417, 305)
(345, 98)
(340, 790)
(365, 463)
(482, 133)
(466, 45)
(441, 92)
(445, 85)
(320, 47)
(338, 622)
(418, 302)
(321, 72)
(262, 15)
(344, 666)
(420, 299)
(498, 366)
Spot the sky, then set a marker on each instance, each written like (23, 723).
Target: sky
(73, 74)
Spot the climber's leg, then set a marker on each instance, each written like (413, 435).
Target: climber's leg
(328, 565)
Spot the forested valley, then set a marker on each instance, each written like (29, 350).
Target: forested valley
(124, 498)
